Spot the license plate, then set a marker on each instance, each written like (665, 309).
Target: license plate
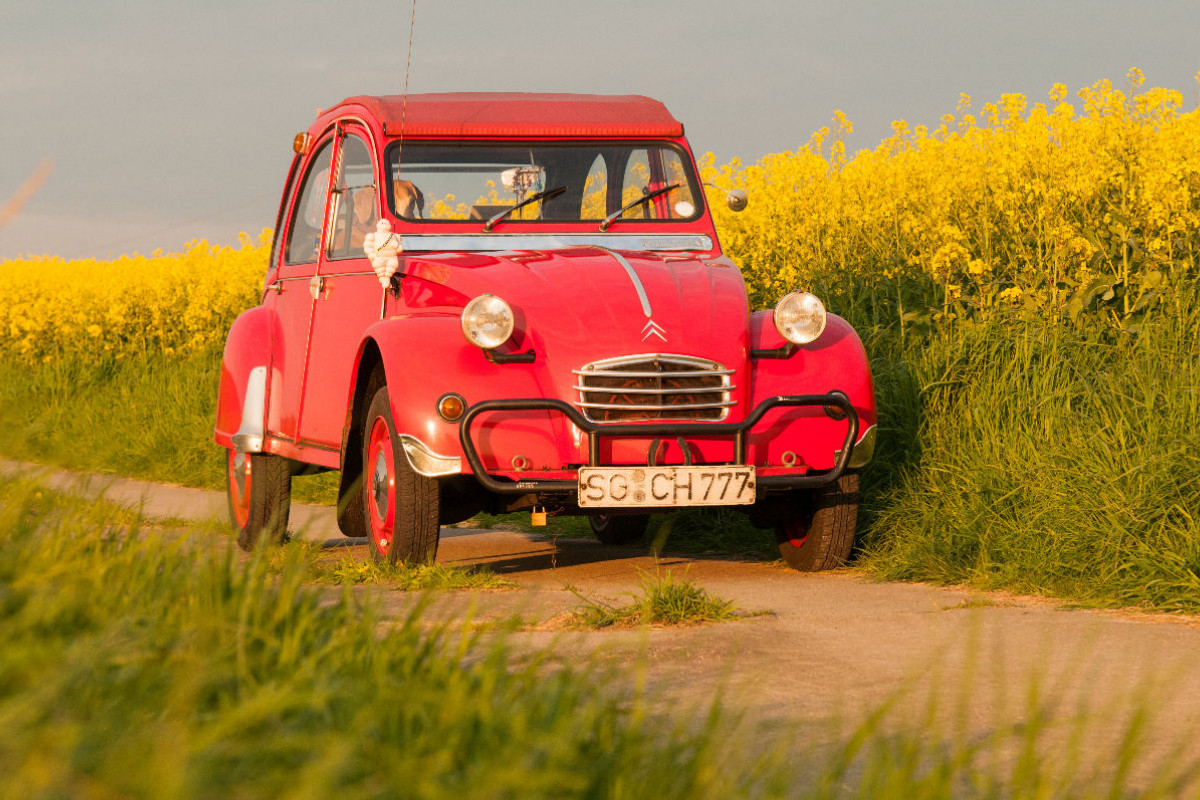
(642, 487)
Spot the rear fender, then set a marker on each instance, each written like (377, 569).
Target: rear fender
(245, 366)
(836, 361)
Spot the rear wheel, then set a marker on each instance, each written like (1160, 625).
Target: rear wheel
(400, 504)
(822, 535)
(259, 490)
(619, 529)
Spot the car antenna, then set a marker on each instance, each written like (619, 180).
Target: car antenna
(400, 149)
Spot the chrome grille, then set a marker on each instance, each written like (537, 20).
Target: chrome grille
(654, 387)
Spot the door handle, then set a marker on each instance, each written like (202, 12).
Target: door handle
(315, 286)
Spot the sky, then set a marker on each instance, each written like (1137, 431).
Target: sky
(172, 120)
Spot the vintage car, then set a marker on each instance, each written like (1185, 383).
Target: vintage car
(519, 301)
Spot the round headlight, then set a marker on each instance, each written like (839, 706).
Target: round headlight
(487, 321)
(800, 317)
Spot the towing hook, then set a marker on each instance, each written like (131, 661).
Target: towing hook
(652, 453)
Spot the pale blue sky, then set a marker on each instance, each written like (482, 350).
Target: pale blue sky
(172, 120)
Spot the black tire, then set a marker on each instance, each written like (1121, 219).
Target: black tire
(351, 514)
(822, 535)
(400, 505)
(619, 528)
(258, 489)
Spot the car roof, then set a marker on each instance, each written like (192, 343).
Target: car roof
(518, 114)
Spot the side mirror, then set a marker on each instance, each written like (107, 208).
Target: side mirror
(736, 199)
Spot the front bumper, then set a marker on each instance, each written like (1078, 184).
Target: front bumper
(596, 431)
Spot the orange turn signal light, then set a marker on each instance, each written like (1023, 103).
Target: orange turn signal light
(450, 407)
(301, 142)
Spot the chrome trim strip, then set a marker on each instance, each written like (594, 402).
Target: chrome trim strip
(616, 373)
(623, 390)
(277, 284)
(485, 242)
(648, 407)
(710, 366)
(863, 450)
(633, 276)
(250, 434)
(425, 461)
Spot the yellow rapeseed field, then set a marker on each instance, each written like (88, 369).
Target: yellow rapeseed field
(1010, 206)
(88, 310)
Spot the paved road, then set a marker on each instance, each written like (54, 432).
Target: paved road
(833, 646)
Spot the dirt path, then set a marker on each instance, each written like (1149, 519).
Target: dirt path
(834, 645)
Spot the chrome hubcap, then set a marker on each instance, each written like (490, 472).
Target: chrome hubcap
(379, 486)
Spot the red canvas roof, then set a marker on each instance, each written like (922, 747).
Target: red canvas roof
(485, 115)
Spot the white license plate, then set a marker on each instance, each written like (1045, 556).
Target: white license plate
(639, 487)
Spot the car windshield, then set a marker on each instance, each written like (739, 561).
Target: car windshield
(468, 181)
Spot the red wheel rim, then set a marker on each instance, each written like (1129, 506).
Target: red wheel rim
(380, 472)
(239, 487)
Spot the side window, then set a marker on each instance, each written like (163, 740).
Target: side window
(595, 191)
(353, 200)
(308, 213)
(284, 204)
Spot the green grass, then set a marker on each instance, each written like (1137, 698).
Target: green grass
(139, 662)
(660, 600)
(711, 531)
(701, 531)
(331, 567)
(1052, 461)
(150, 419)
(556, 525)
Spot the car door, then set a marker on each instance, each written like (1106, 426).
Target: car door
(349, 297)
(289, 293)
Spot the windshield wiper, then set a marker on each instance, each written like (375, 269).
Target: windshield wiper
(533, 198)
(647, 197)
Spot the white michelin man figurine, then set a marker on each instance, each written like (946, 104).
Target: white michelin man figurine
(382, 247)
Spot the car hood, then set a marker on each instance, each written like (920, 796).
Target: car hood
(582, 304)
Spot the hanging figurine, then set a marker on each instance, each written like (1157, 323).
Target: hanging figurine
(383, 247)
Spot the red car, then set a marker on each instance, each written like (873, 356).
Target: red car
(519, 301)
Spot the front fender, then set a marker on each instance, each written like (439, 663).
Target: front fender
(242, 397)
(425, 357)
(836, 361)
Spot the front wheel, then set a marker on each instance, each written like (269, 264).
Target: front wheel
(618, 529)
(822, 534)
(259, 490)
(401, 505)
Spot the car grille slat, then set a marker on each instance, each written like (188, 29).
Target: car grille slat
(654, 387)
(631, 390)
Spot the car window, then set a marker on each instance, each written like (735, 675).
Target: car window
(474, 181)
(308, 213)
(680, 203)
(354, 204)
(648, 171)
(285, 203)
(595, 191)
